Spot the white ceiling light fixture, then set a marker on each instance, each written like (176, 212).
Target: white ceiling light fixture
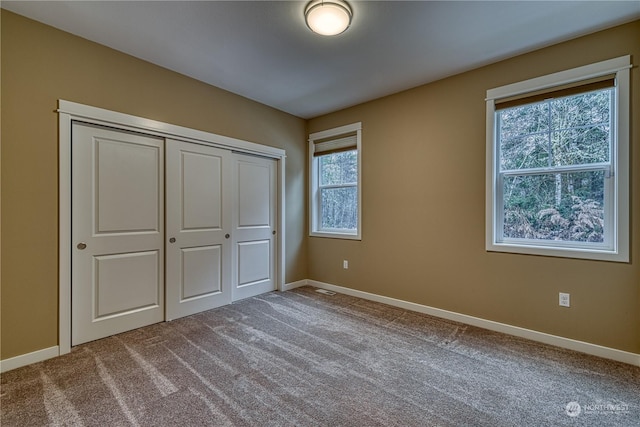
(328, 17)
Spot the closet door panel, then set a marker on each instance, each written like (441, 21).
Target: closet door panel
(254, 232)
(202, 271)
(201, 190)
(117, 278)
(198, 262)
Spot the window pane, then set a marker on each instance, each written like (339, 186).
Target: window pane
(573, 130)
(564, 207)
(524, 136)
(582, 128)
(524, 120)
(592, 108)
(522, 152)
(339, 208)
(339, 168)
(581, 146)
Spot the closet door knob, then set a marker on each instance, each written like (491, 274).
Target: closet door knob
(172, 240)
(81, 245)
(226, 236)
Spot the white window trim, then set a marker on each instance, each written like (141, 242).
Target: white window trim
(314, 203)
(619, 248)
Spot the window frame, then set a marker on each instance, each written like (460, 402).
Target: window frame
(616, 242)
(315, 221)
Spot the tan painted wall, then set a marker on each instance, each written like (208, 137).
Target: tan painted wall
(423, 198)
(41, 65)
(424, 212)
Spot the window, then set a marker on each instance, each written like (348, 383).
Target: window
(334, 165)
(558, 164)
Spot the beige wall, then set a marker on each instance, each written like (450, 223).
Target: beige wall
(41, 65)
(424, 214)
(423, 196)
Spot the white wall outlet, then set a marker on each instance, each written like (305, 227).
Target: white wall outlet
(565, 300)
(345, 264)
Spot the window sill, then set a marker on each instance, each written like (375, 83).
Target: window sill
(335, 235)
(561, 252)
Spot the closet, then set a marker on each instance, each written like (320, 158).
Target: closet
(163, 228)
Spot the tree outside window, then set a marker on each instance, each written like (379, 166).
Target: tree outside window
(339, 190)
(548, 139)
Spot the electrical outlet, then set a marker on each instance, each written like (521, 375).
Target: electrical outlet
(345, 264)
(565, 300)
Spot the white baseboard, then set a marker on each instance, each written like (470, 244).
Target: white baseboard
(571, 344)
(293, 285)
(29, 358)
(581, 346)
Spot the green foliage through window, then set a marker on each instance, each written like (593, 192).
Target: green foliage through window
(338, 178)
(553, 161)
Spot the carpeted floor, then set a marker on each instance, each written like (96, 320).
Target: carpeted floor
(300, 358)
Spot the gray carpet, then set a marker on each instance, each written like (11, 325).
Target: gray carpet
(300, 358)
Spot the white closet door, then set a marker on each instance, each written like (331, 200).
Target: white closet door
(198, 227)
(254, 232)
(117, 233)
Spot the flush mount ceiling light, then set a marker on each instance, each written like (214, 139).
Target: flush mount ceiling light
(328, 17)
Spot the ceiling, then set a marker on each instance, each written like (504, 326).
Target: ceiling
(263, 50)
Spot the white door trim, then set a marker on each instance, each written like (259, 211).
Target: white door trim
(70, 111)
